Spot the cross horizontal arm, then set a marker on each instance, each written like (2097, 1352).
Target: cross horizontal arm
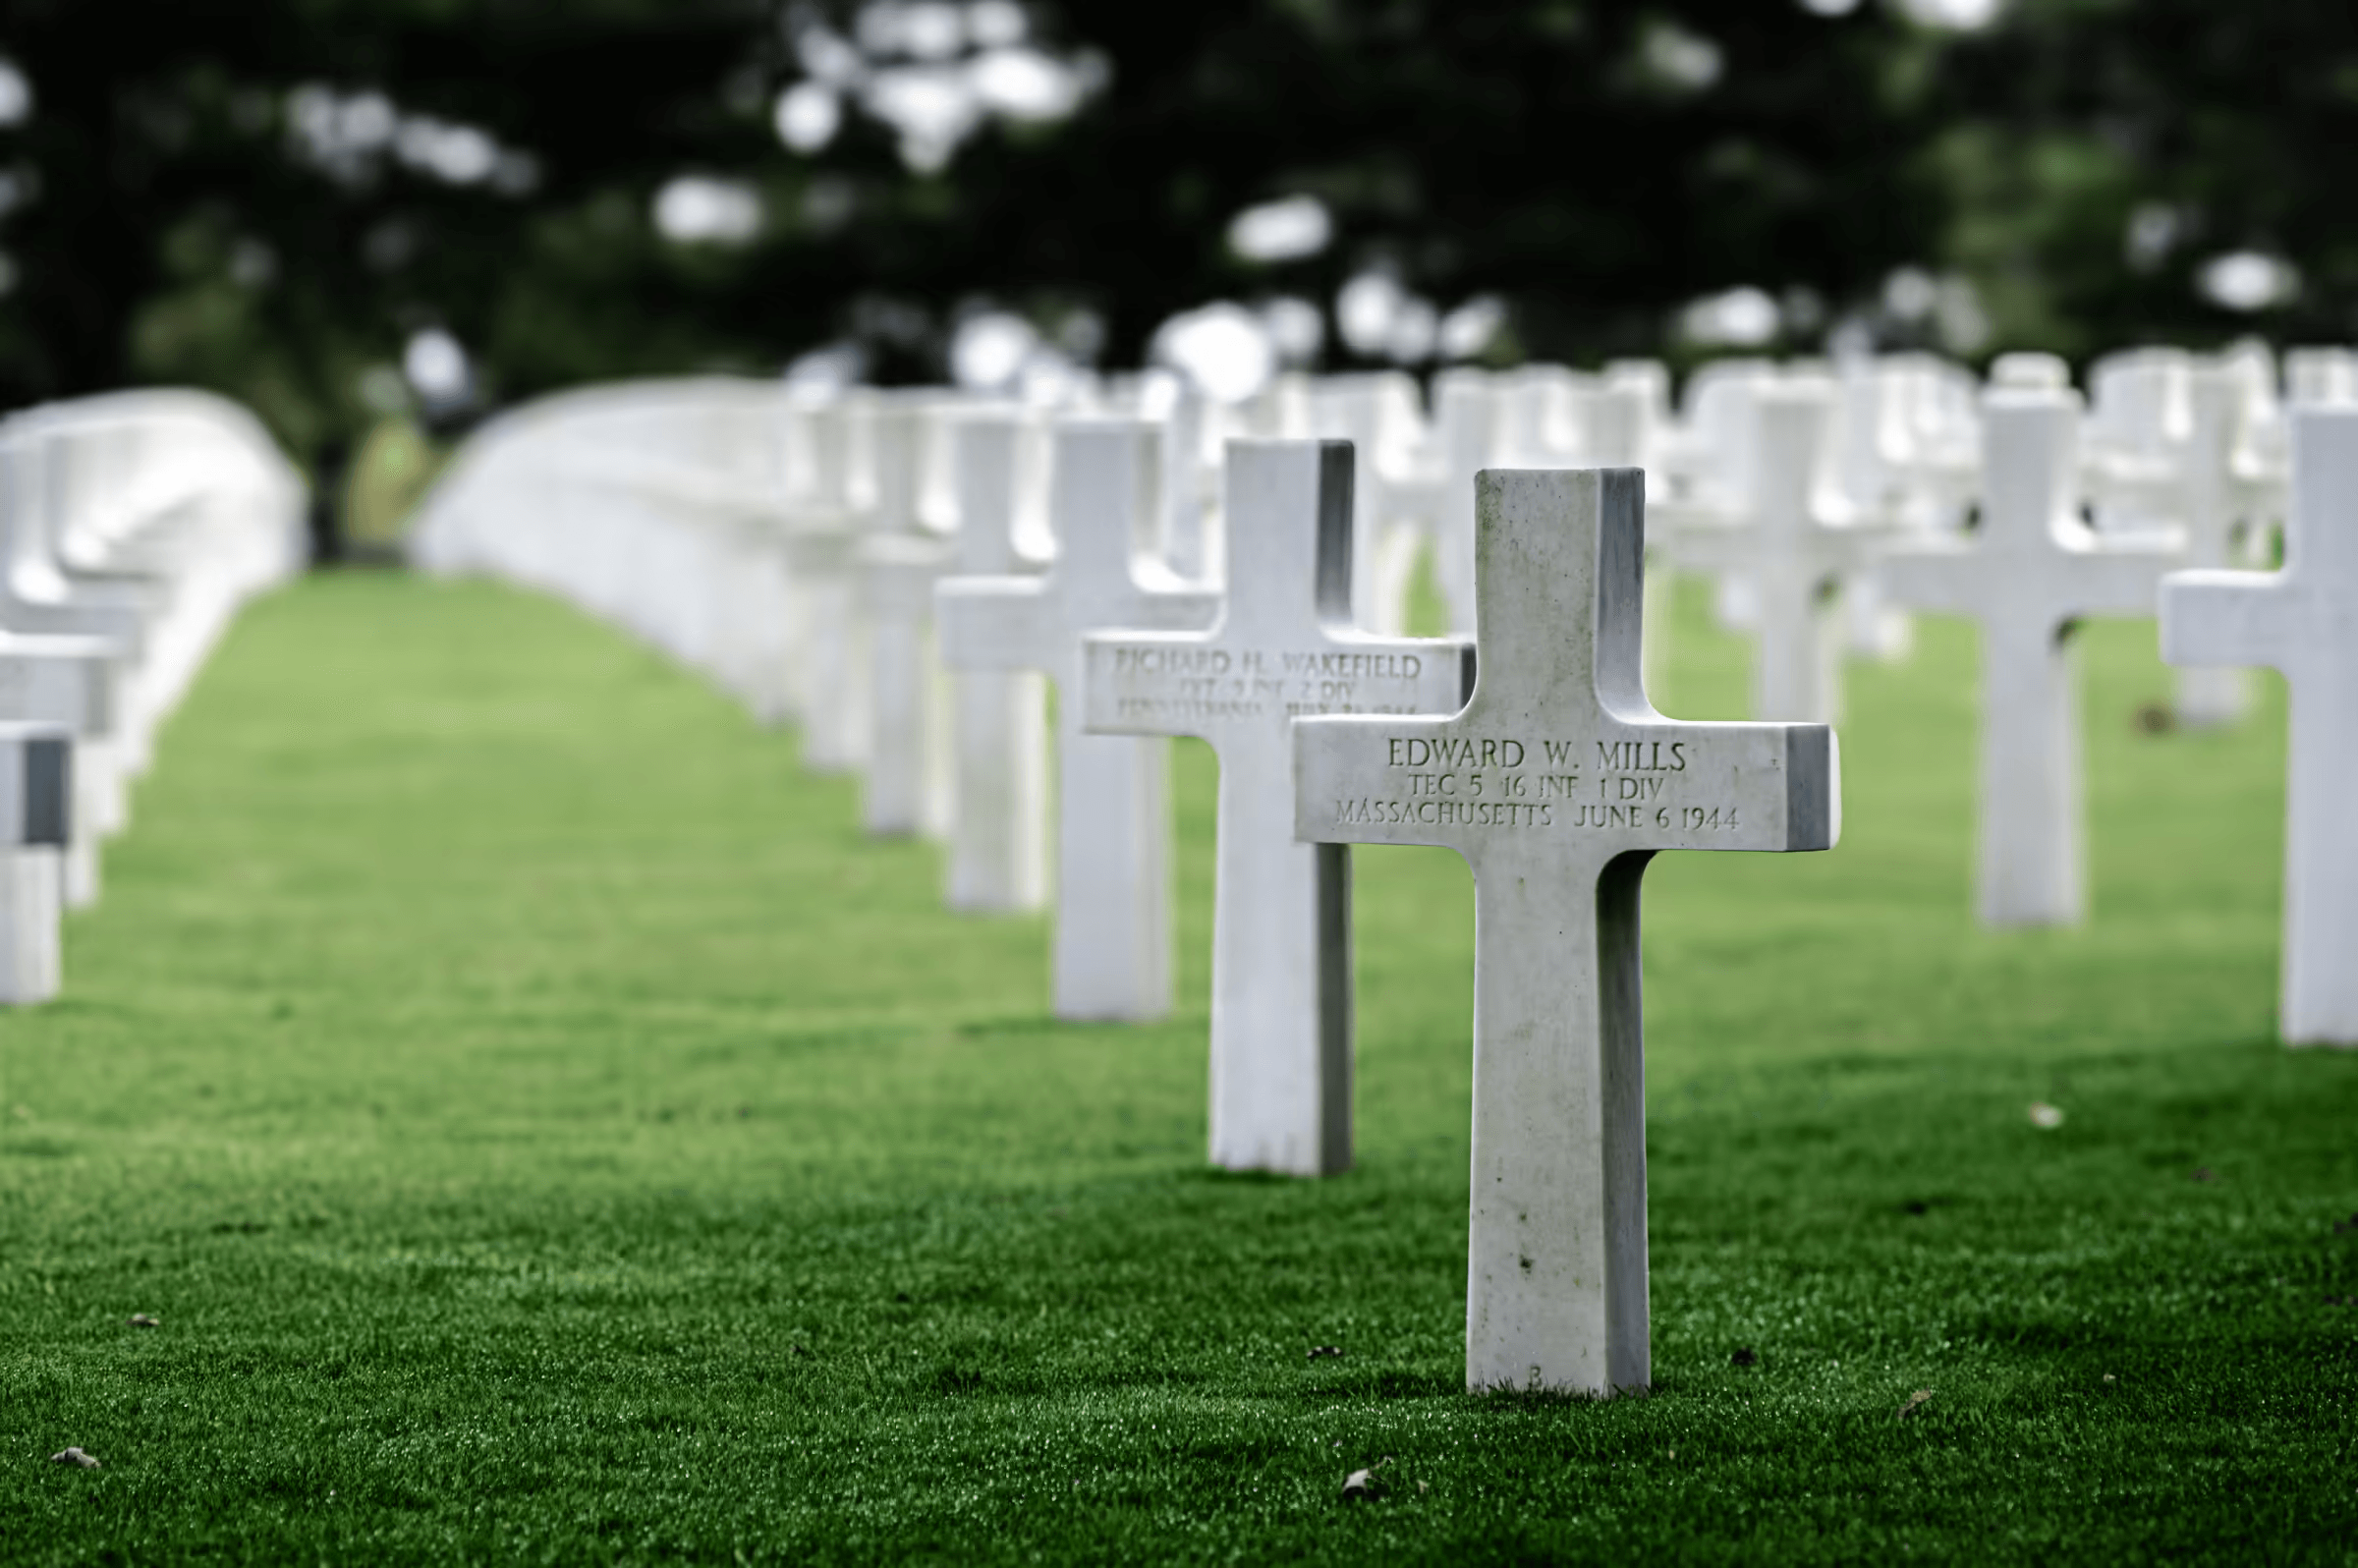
(1619, 788)
(996, 623)
(1768, 786)
(1943, 578)
(2111, 580)
(2228, 618)
(59, 689)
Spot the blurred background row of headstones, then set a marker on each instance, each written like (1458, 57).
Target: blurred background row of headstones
(371, 218)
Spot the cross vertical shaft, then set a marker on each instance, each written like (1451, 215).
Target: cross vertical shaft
(1556, 1285)
(1558, 783)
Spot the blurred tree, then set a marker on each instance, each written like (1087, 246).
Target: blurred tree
(1599, 165)
(2162, 169)
(276, 198)
(269, 197)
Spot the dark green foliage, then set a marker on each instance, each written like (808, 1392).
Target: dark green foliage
(547, 1130)
(2222, 121)
(1541, 151)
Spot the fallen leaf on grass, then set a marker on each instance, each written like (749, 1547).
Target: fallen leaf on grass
(1315, 1351)
(2047, 1118)
(1362, 1483)
(1915, 1399)
(143, 1321)
(74, 1456)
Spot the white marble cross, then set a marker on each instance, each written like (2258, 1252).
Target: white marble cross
(1185, 496)
(1283, 646)
(998, 838)
(1795, 546)
(2321, 376)
(1113, 827)
(1465, 429)
(2303, 622)
(905, 788)
(831, 670)
(71, 682)
(2030, 571)
(2215, 501)
(35, 825)
(2135, 437)
(1557, 783)
(1377, 412)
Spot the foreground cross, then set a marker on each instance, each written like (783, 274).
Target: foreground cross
(1557, 783)
(1281, 912)
(2303, 622)
(1113, 937)
(2027, 574)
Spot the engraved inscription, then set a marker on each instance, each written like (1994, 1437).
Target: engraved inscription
(1183, 685)
(1509, 782)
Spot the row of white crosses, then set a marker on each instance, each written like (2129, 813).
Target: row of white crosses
(1556, 779)
(1801, 516)
(1813, 490)
(1805, 485)
(131, 529)
(1558, 764)
(787, 547)
(1556, 1274)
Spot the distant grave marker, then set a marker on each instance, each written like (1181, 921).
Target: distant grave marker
(1793, 548)
(2030, 571)
(1465, 427)
(72, 683)
(2217, 501)
(998, 840)
(1283, 646)
(1377, 412)
(906, 785)
(1113, 935)
(1557, 783)
(36, 783)
(831, 675)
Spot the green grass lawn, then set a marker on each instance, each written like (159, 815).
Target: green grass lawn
(547, 1130)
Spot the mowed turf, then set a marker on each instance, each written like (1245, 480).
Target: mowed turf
(546, 1130)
